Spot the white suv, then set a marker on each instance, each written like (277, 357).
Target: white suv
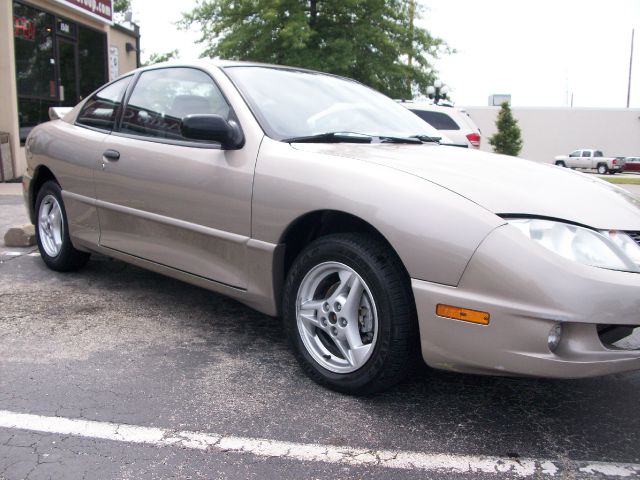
(454, 123)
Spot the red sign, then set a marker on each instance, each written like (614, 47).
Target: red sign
(96, 8)
(24, 28)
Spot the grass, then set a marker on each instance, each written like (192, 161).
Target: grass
(622, 180)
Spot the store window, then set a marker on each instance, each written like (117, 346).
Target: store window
(35, 64)
(58, 63)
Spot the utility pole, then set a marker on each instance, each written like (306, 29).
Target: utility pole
(633, 31)
(412, 13)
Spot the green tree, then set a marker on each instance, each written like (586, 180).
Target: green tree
(373, 41)
(508, 138)
(160, 57)
(121, 6)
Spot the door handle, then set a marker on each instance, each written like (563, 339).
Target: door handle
(111, 155)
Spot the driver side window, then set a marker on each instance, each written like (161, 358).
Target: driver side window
(161, 98)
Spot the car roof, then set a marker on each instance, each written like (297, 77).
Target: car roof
(219, 63)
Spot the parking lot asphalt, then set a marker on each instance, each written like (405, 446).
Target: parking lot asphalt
(115, 343)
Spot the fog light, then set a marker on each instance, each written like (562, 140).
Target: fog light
(555, 335)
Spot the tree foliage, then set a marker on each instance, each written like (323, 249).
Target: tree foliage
(373, 41)
(508, 138)
(121, 6)
(161, 57)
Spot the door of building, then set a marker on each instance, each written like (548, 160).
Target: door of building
(67, 72)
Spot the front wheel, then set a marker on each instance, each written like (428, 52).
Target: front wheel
(52, 233)
(561, 164)
(349, 313)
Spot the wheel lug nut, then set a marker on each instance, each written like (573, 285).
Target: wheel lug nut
(334, 331)
(323, 321)
(338, 307)
(325, 306)
(343, 322)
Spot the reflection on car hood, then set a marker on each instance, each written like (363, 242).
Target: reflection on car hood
(504, 185)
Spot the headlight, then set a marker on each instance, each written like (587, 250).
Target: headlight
(615, 251)
(626, 243)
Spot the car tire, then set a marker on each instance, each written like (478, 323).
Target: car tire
(52, 234)
(357, 332)
(561, 164)
(602, 169)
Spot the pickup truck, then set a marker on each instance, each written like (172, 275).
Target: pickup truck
(590, 159)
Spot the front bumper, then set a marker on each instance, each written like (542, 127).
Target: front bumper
(527, 289)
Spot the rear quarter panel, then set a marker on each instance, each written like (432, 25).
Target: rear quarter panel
(72, 154)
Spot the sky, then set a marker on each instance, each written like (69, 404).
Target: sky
(544, 52)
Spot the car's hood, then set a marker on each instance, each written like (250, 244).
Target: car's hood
(503, 184)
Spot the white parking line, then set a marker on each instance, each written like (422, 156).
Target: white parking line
(18, 254)
(406, 460)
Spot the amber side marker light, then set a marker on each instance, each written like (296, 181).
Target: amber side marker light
(464, 314)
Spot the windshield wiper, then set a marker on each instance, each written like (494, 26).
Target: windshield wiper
(388, 139)
(427, 138)
(353, 137)
(332, 137)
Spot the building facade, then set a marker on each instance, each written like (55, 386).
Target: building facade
(54, 53)
(548, 131)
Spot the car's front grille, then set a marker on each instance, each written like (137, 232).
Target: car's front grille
(635, 236)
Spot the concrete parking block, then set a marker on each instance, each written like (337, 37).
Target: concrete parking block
(20, 236)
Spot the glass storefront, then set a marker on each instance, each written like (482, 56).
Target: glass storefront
(58, 63)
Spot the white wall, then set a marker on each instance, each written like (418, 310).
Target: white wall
(548, 132)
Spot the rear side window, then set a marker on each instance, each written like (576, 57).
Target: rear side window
(586, 153)
(161, 98)
(597, 153)
(101, 110)
(438, 120)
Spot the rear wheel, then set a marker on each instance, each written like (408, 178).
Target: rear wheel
(349, 313)
(603, 169)
(52, 233)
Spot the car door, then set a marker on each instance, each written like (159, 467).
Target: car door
(162, 197)
(574, 159)
(80, 147)
(586, 159)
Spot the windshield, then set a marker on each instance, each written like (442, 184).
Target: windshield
(293, 103)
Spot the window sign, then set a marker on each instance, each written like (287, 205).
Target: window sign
(114, 63)
(24, 28)
(67, 28)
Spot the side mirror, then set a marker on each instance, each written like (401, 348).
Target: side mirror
(213, 128)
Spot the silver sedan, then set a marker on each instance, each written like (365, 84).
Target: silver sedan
(314, 198)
